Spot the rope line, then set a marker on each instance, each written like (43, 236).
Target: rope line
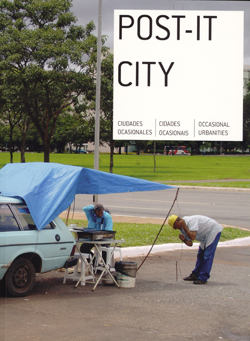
(67, 218)
(160, 229)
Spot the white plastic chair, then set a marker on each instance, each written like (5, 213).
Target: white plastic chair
(111, 263)
(82, 260)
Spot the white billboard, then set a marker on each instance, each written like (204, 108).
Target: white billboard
(178, 75)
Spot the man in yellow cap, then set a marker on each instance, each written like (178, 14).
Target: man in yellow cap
(207, 231)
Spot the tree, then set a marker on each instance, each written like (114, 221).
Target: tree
(9, 113)
(4, 136)
(23, 125)
(43, 56)
(72, 128)
(106, 101)
(106, 119)
(246, 121)
(13, 114)
(64, 131)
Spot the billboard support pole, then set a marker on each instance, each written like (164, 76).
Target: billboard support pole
(98, 93)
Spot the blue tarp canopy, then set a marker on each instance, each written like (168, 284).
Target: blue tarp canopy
(49, 188)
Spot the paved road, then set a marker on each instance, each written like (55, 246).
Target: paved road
(227, 206)
(160, 307)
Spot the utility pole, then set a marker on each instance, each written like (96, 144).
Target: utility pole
(98, 93)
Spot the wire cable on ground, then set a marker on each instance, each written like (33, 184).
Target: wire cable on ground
(177, 262)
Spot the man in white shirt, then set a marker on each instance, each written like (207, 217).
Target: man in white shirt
(207, 231)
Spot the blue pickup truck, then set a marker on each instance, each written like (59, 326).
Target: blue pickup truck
(25, 251)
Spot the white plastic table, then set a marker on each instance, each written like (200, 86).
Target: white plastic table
(98, 244)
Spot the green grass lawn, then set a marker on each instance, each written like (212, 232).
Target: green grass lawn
(168, 168)
(144, 234)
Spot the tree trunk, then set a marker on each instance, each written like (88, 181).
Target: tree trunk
(225, 147)
(138, 147)
(11, 155)
(46, 146)
(11, 144)
(23, 128)
(197, 147)
(23, 148)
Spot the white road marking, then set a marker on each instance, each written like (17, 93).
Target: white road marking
(170, 201)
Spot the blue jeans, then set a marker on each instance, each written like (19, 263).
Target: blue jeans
(205, 260)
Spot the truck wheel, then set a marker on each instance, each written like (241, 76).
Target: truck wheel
(20, 278)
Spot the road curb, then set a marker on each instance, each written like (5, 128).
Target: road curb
(137, 251)
(234, 189)
(143, 250)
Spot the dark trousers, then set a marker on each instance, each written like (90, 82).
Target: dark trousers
(86, 248)
(205, 260)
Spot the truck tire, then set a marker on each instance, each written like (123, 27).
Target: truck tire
(20, 278)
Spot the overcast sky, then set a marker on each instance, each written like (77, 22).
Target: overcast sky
(87, 10)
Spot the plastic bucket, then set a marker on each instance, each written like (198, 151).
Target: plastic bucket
(108, 280)
(126, 274)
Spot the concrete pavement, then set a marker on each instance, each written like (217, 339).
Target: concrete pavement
(161, 306)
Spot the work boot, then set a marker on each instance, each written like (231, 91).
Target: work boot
(191, 277)
(199, 281)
